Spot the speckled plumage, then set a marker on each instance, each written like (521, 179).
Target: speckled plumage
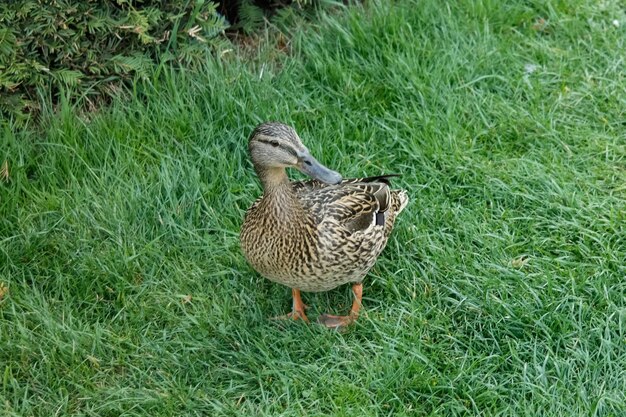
(309, 235)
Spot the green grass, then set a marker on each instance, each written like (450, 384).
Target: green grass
(502, 290)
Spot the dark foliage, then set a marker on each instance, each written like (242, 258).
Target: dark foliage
(89, 46)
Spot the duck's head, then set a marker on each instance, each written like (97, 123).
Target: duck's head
(274, 146)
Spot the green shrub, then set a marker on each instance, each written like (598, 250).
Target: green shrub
(88, 46)
(252, 15)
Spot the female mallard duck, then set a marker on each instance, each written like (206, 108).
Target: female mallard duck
(314, 235)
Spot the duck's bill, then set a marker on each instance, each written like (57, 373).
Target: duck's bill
(315, 170)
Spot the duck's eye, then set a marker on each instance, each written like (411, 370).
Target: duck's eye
(274, 143)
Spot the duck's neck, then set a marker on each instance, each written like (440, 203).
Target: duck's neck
(278, 194)
(274, 180)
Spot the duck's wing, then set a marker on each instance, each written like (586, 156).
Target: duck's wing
(357, 204)
(312, 185)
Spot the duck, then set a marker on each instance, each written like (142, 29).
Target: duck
(317, 234)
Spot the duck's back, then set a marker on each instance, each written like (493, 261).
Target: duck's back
(358, 204)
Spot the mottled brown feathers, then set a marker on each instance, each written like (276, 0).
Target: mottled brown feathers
(314, 236)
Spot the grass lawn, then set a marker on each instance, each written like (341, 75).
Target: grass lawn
(502, 290)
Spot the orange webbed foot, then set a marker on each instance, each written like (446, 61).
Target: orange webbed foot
(337, 322)
(297, 311)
